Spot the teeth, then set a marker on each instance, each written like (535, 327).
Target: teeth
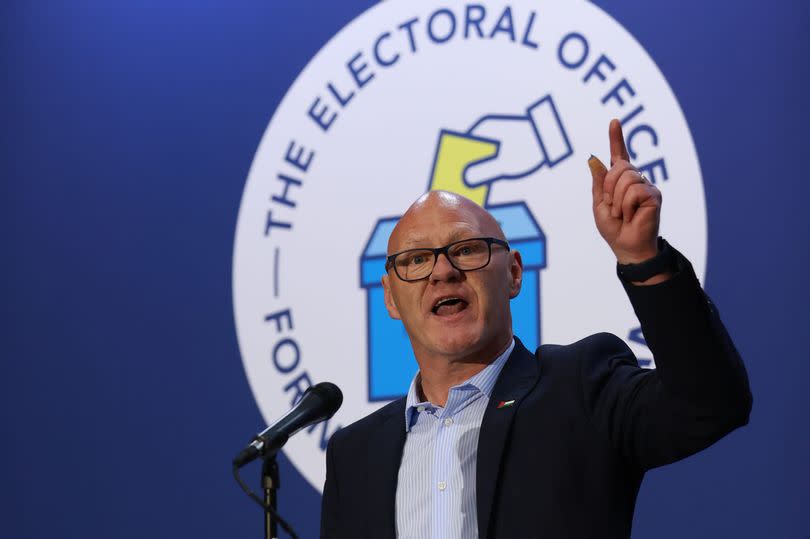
(445, 300)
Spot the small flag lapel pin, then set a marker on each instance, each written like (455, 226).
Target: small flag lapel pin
(506, 404)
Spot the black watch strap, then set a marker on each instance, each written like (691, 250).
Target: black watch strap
(662, 262)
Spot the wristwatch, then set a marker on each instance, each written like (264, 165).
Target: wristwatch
(662, 262)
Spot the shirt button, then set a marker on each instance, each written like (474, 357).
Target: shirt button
(448, 422)
(420, 409)
(442, 485)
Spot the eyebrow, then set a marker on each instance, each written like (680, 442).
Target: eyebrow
(458, 235)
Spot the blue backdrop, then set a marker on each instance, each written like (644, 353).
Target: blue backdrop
(128, 130)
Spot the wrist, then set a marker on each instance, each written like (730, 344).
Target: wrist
(637, 257)
(647, 267)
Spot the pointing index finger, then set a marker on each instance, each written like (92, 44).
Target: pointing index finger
(617, 148)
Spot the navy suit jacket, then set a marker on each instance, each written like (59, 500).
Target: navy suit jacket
(567, 459)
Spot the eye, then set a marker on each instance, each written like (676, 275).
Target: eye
(416, 258)
(470, 248)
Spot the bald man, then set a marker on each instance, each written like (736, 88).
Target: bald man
(495, 441)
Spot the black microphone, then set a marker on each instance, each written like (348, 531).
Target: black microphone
(319, 402)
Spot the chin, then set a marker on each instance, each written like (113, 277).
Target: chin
(459, 344)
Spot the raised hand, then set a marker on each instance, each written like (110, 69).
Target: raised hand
(626, 206)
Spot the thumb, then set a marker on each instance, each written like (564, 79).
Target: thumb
(482, 172)
(598, 173)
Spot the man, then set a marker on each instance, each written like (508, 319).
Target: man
(494, 441)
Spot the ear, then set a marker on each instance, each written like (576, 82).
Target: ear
(390, 304)
(515, 273)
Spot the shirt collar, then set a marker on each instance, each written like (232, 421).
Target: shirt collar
(484, 382)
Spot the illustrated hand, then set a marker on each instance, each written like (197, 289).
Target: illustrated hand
(519, 153)
(526, 143)
(626, 206)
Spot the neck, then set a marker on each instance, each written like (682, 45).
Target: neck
(436, 377)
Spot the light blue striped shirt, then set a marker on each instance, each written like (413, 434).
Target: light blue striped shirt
(436, 485)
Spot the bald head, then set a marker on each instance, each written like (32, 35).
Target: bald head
(434, 211)
(452, 315)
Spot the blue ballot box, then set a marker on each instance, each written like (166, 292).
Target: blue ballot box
(391, 364)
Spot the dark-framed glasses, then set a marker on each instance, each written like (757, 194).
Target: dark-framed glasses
(464, 255)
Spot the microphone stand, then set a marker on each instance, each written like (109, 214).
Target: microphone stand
(270, 484)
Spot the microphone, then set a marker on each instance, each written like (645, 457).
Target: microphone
(319, 402)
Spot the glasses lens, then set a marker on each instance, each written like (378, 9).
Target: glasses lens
(413, 265)
(470, 254)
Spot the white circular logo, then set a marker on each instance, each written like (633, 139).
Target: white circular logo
(501, 102)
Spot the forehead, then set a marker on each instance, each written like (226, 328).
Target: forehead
(433, 226)
(437, 238)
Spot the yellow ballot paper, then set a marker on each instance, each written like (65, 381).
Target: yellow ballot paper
(455, 153)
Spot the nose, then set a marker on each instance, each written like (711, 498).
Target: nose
(443, 270)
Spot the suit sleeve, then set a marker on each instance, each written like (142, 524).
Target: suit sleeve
(698, 392)
(330, 503)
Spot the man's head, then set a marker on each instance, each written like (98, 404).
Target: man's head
(479, 325)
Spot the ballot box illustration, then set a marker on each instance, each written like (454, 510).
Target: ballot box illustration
(538, 141)
(391, 364)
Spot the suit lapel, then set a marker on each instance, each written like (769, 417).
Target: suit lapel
(384, 457)
(518, 377)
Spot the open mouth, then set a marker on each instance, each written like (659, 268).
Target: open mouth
(449, 306)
